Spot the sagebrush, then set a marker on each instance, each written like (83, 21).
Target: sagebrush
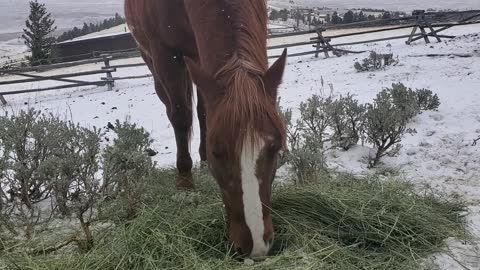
(51, 172)
(327, 123)
(376, 61)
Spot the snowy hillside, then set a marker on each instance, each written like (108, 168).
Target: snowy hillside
(440, 155)
(67, 13)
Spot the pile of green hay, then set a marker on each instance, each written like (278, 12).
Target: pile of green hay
(341, 223)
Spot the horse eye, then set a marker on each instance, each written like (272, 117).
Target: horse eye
(218, 154)
(274, 148)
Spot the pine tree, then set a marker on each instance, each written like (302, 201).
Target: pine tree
(336, 19)
(387, 15)
(348, 17)
(38, 34)
(362, 17)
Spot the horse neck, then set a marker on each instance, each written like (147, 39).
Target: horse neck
(225, 31)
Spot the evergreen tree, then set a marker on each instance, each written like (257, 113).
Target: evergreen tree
(38, 34)
(274, 15)
(283, 15)
(348, 17)
(91, 28)
(336, 19)
(386, 15)
(85, 29)
(361, 17)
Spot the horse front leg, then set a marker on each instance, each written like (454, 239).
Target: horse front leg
(180, 116)
(174, 87)
(202, 120)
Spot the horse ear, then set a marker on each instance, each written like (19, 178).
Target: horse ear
(274, 75)
(205, 83)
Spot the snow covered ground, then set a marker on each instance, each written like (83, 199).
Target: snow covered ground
(13, 49)
(440, 155)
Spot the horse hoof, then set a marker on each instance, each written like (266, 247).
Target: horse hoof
(185, 183)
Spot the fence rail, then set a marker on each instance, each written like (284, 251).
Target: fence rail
(320, 43)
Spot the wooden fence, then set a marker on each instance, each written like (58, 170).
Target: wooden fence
(421, 29)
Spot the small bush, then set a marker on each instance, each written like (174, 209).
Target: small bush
(386, 124)
(48, 165)
(127, 167)
(328, 122)
(427, 101)
(405, 100)
(306, 138)
(29, 143)
(375, 61)
(315, 119)
(51, 176)
(75, 184)
(347, 121)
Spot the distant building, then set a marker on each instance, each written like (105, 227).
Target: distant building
(91, 47)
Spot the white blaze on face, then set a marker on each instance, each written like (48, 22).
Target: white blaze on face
(252, 205)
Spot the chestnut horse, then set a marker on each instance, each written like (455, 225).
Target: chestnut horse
(221, 46)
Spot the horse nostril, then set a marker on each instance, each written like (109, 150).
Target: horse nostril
(270, 242)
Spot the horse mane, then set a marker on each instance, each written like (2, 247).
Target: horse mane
(246, 103)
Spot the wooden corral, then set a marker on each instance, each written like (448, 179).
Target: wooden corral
(89, 48)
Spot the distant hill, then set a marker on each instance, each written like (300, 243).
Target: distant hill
(403, 5)
(67, 13)
(70, 13)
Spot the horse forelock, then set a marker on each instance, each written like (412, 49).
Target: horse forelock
(245, 108)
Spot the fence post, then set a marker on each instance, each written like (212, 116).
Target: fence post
(3, 100)
(110, 81)
(433, 31)
(421, 24)
(321, 43)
